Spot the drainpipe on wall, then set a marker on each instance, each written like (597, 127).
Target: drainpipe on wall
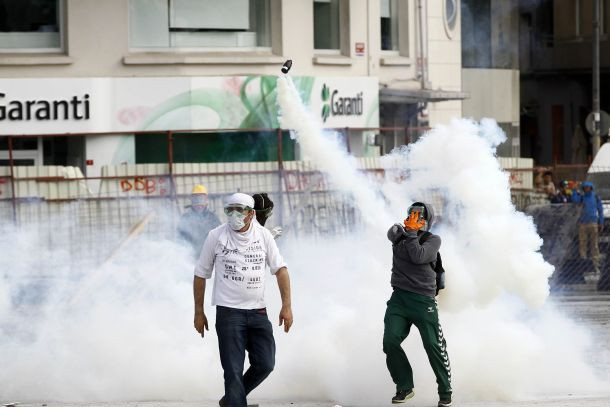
(423, 57)
(596, 109)
(368, 39)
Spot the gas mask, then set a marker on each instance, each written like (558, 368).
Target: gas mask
(199, 202)
(236, 215)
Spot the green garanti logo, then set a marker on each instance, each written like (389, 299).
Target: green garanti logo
(326, 99)
(337, 105)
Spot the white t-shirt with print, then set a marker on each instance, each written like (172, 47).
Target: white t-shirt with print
(240, 261)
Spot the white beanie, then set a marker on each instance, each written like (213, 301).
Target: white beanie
(240, 199)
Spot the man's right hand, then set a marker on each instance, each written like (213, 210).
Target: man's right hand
(201, 323)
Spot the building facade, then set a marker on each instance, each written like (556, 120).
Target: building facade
(556, 82)
(490, 61)
(125, 66)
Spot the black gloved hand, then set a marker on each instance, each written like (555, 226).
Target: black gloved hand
(396, 233)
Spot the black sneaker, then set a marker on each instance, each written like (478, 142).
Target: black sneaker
(223, 403)
(402, 396)
(445, 401)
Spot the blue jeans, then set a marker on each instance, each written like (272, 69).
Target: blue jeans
(238, 331)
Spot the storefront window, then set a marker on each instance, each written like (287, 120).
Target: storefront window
(326, 24)
(389, 25)
(26, 151)
(260, 146)
(30, 25)
(240, 24)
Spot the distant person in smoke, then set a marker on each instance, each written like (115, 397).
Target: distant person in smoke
(590, 223)
(564, 195)
(548, 186)
(263, 206)
(198, 220)
(414, 280)
(239, 252)
(538, 180)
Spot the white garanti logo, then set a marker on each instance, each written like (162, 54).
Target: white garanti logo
(430, 309)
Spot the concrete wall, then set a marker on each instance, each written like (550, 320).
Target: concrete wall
(493, 93)
(152, 180)
(97, 45)
(445, 62)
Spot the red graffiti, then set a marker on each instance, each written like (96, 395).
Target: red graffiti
(132, 115)
(147, 185)
(516, 179)
(232, 85)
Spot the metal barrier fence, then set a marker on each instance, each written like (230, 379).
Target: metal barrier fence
(577, 246)
(88, 217)
(579, 251)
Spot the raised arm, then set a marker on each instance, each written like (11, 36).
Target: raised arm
(418, 253)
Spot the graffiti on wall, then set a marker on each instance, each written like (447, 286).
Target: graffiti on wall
(145, 185)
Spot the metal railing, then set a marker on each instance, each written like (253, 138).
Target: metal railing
(91, 225)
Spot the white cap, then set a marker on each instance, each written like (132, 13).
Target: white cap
(240, 199)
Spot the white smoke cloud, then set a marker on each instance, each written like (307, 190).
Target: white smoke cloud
(324, 149)
(130, 335)
(495, 249)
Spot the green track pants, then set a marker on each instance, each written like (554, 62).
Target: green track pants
(406, 309)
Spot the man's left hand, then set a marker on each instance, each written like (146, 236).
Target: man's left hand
(600, 227)
(286, 317)
(413, 222)
(276, 232)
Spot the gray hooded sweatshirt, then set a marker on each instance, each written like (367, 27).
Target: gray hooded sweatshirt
(411, 263)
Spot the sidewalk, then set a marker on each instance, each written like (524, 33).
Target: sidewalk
(560, 402)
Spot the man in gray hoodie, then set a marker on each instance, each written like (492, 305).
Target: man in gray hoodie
(413, 302)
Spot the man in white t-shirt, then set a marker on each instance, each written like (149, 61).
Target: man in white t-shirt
(240, 251)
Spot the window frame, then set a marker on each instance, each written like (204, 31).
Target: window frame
(402, 56)
(61, 23)
(19, 154)
(387, 52)
(274, 47)
(344, 32)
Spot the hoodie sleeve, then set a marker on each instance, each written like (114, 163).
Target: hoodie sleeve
(600, 211)
(410, 249)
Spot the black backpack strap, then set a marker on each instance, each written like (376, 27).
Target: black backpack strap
(439, 261)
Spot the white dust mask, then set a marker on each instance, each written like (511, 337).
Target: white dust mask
(236, 220)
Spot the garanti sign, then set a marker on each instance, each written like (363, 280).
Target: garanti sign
(340, 105)
(74, 108)
(74, 105)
